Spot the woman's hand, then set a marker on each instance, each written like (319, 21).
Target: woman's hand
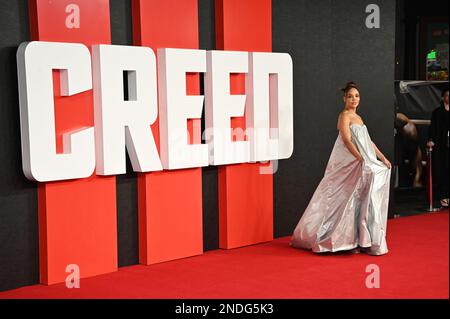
(387, 163)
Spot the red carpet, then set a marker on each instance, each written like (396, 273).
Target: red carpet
(417, 266)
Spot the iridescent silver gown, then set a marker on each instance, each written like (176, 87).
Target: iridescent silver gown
(349, 207)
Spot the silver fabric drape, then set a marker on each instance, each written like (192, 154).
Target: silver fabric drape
(349, 207)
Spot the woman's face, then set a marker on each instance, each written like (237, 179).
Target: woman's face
(445, 97)
(351, 99)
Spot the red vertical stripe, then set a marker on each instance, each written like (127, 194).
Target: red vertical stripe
(170, 202)
(245, 195)
(77, 219)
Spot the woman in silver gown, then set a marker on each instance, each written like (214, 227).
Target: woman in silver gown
(348, 210)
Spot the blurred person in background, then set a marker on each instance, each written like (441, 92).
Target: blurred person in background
(409, 144)
(438, 141)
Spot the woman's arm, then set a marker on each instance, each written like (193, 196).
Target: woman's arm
(344, 129)
(378, 152)
(381, 156)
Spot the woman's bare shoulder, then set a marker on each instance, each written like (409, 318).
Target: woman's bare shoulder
(343, 118)
(344, 113)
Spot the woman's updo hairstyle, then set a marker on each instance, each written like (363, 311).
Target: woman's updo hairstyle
(348, 87)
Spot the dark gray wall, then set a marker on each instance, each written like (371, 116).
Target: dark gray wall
(210, 193)
(126, 185)
(329, 45)
(19, 248)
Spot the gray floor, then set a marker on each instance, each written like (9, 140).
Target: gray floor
(412, 201)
